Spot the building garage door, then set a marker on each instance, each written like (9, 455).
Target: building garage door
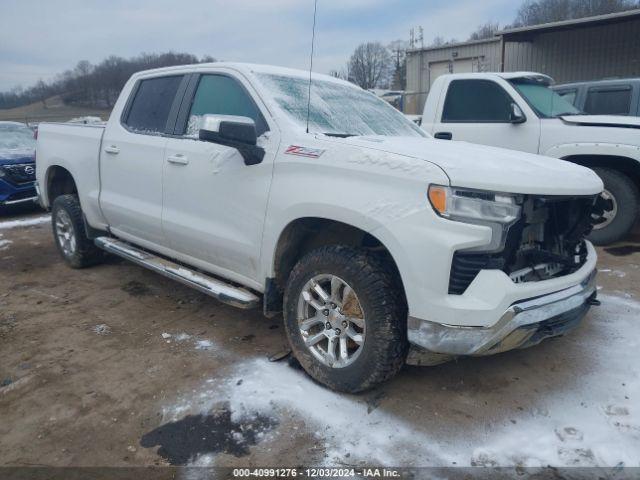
(437, 69)
(463, 65)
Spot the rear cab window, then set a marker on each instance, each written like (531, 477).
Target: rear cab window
(614, 100)
(476, 101)
(149, 110)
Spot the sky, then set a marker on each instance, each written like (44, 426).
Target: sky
(39, 39)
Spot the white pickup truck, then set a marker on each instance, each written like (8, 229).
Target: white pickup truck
(379, 244)
(520, 111)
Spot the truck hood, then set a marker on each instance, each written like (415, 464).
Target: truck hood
(10, 157)
(489, 168)
(602, 121)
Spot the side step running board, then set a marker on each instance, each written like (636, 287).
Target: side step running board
(224, 292)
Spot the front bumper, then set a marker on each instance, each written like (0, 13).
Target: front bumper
(17, 194)
(523, 324)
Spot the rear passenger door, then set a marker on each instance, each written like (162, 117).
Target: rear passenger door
(132, 156)
(214, 204)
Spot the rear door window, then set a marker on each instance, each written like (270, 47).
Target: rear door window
(476, 101)
(609, 101)
(150, 108)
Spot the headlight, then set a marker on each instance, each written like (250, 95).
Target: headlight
(474, 206)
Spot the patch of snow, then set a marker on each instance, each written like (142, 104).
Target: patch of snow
(166, 335)
(618, 273)
(4, 244)
(593, 422)
(204, 345)
(102, 329)
(181, 337)
(392, 210)
(27, 222)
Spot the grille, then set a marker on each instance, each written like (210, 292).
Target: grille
(20, 173)
(547, 242)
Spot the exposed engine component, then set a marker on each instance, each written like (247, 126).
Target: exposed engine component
(546, 242)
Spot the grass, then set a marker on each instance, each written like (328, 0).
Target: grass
(54, 111)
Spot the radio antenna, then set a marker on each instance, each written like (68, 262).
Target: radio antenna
(313, 41)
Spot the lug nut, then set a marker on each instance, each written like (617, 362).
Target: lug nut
(338, 331)
(325, 313)
(327, 326)
(333, 305)
(345, 324)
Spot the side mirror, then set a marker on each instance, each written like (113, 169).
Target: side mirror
(516, 115)
(233, 131)
(229, 127)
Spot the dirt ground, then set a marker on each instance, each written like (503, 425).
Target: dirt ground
(117, 366)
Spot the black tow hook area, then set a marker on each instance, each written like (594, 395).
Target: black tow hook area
(593, 300)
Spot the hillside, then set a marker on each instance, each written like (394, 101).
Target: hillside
(55, 111)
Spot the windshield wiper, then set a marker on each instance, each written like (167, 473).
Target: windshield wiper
(340, 135)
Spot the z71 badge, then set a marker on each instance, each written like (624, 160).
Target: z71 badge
(304, 151)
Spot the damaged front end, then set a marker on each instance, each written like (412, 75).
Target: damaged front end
(545, 241)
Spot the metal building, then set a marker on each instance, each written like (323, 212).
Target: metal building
(574, 50)
(426, 64)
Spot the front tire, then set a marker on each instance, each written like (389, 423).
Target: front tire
(346, 318)
(70, 235)
(624, 195)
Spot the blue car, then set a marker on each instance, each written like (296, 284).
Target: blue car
(17, 164)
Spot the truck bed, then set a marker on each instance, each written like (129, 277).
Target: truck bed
(76, 148)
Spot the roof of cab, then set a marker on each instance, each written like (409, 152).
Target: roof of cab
(246, 68)
(504, 75)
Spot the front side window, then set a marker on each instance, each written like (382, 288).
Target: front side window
(611, 101)
(546, 102)
(568, 95)
(222, 95)
(151, 105)
(476, 101)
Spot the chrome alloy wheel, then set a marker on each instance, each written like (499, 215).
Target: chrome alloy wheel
(65, 233)
(609, 215)
(331, 320)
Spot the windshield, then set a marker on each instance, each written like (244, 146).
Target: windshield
(337, 109)
(546, 102)
(16, 138)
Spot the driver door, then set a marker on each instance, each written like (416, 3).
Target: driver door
(214, 205)
(479, 111)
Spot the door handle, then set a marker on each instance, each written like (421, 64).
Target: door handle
(178, 159)
(112, 149)
(444, 135)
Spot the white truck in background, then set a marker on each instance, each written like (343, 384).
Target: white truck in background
(379, 244)
(520, 111)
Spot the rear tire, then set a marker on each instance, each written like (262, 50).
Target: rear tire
(364, 286)
(70, 235)
(626, 198)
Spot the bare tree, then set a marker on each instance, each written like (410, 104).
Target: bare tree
(534, 12)
(486, 30)
(370, 65)
(398, 49)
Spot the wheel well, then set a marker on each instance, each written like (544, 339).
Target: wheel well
(306, 234)
(59, 182)
(626, 165)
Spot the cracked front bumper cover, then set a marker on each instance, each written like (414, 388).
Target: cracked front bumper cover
(524, 324)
